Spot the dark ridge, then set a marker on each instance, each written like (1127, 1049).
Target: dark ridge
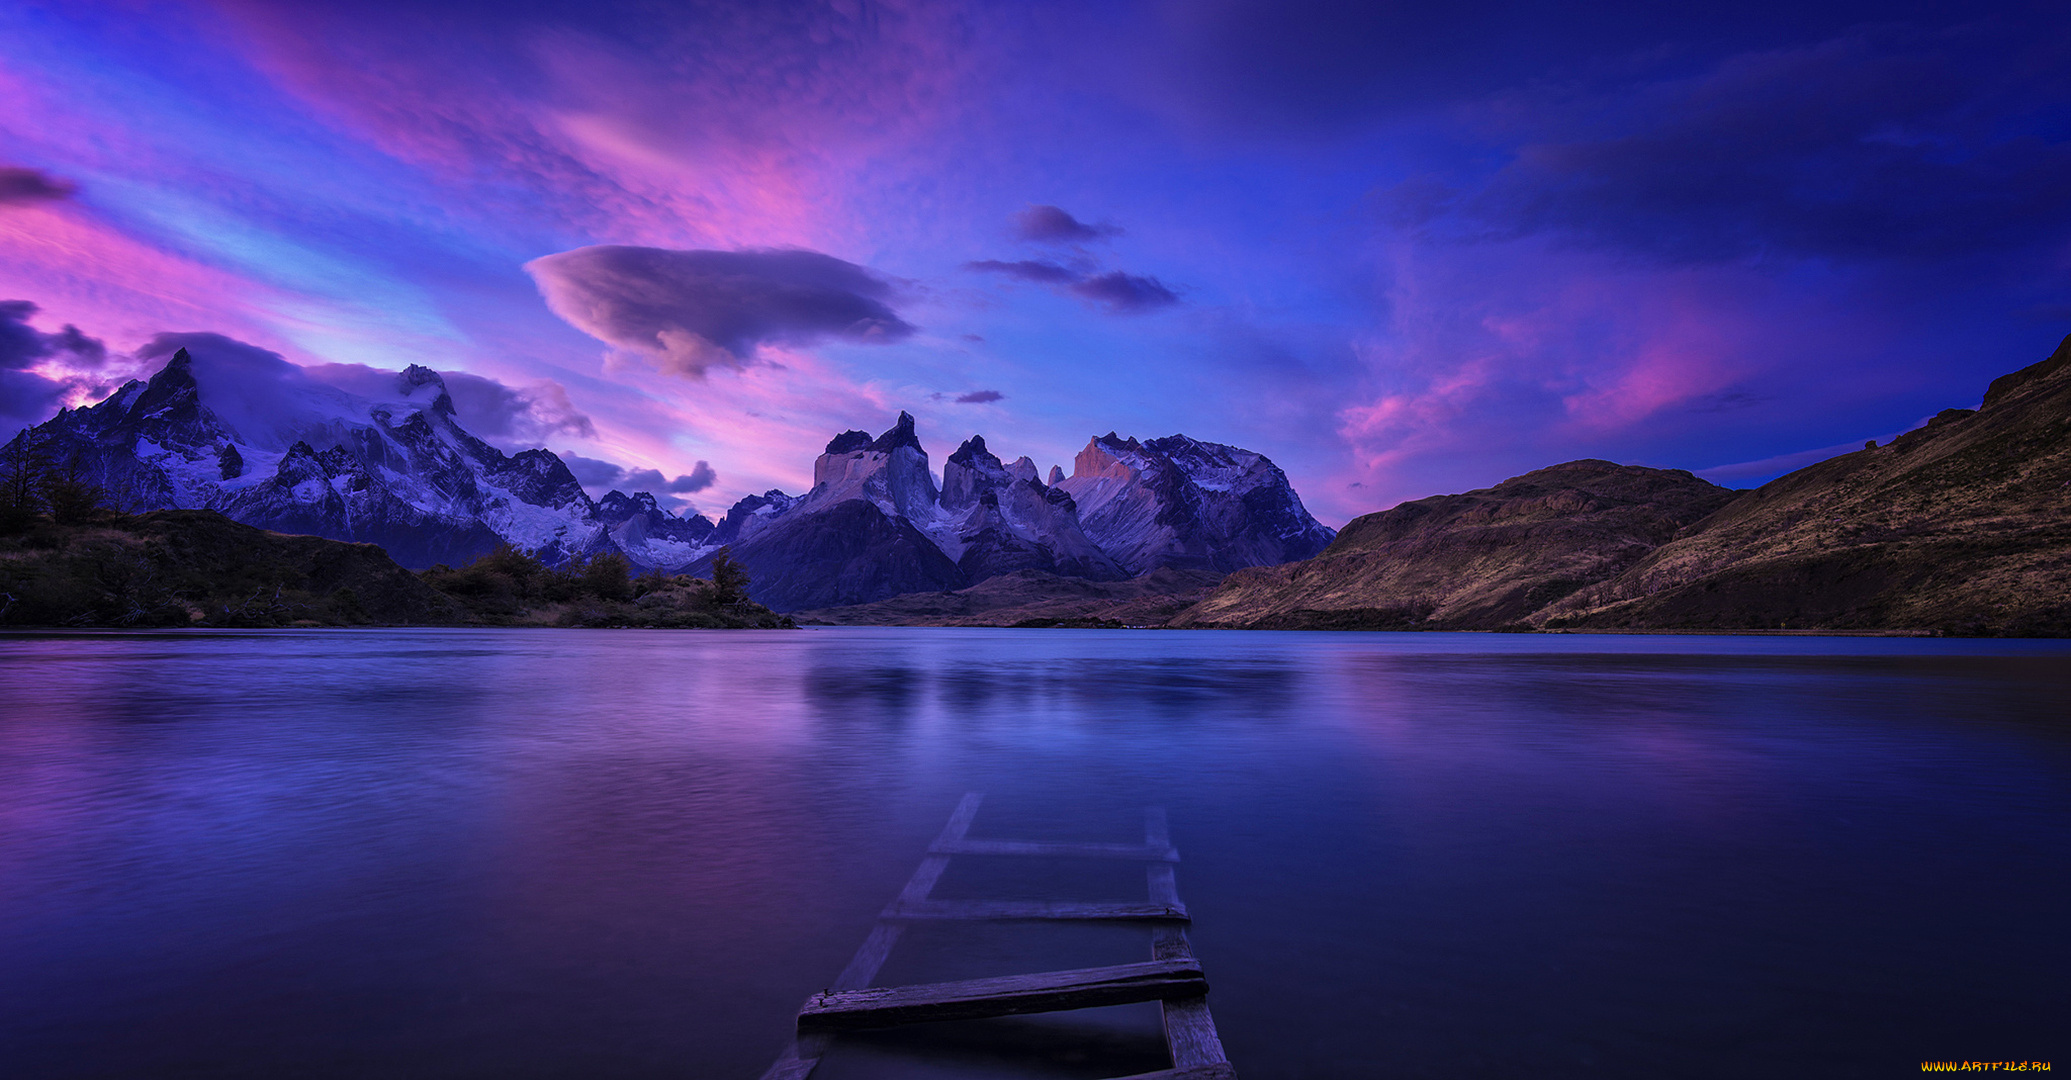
(972, 449)
(849, 442)
(900, 435)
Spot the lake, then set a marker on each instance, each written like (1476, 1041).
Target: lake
(591, 853)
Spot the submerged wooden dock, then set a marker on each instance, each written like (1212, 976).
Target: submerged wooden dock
(1171, 976)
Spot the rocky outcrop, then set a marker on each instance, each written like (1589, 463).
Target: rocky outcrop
(1189, 504)
(1961, 526)
(1475, 561)
(650, 535)
(851, 552)
(1003, 520)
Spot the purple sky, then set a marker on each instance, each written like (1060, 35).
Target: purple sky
(1401, 249)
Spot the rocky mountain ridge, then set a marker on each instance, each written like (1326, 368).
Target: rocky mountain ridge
(875, 525)
(398, 471)
(394, 466)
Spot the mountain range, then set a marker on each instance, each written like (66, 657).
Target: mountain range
(875, 525)
(397, 469)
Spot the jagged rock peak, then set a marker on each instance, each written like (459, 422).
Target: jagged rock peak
(849, 442)
(900, 435)
(973, 449)
(1056, 475)
(417, 375)
(173, 385)
(617, 506)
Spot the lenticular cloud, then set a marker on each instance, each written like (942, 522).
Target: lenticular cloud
(691, 311)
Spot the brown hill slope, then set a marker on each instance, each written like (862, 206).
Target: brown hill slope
(1480, 560)
(1961, 526)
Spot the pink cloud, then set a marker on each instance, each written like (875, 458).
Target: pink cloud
(734, 127)
(84, 271)
(1499, 358)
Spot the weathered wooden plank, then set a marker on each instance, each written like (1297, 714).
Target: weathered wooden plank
(799, 1060)
(971, 999)
(1031, 910)
(1190, 1032)
(803, 1055)
(1046, 849)
(878, 946)
(1189, 1028)
(1198, 1072)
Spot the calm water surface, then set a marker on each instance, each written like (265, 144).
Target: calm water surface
(436, 853)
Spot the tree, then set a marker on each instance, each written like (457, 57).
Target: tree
(73, 498)
(522, 567)
(608, 576)
(729, 578)
(23, 463)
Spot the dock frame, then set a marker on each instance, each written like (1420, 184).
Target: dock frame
(1171, 977)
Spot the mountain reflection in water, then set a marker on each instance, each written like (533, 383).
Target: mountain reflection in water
(444, 853)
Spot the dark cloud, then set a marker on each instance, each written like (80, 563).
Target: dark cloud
(691, 311)
(19, 186)
(1292, 67)
(1125, 293)
(592, 472)
(1050, 224)
(603, 475)
(255, 390)
(30, 397)
(1047, 273)
(1881, 145)
(506, 416)
(979, 397)
(23, 346)
(492, 410)
(701, 477)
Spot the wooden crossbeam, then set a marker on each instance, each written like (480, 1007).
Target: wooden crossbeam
(803, 1055)
(1034, 910)
(1172, 977)
(1006, 995)
(1045, 849)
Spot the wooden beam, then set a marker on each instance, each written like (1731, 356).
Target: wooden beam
(1198, 1072)
(1148, 853)
(1189, 1029)
(878, 945)
(971, 999)
(1032, 910)
(803, 1055)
